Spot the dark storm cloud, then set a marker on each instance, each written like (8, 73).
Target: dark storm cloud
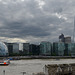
(37, 27)
(25, 18)
(21, 30)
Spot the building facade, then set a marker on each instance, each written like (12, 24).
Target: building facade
(67, 39)
(26, 48)
(13, 48)
(16, 48)
(10, 48)
(45, 48)
(3, 49)
(64, 39)
(71, 49)
(58, 48)
(61, 38)
(34, 49)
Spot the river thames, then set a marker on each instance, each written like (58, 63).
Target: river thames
(30, 66)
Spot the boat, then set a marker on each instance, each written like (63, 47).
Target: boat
(4, 62)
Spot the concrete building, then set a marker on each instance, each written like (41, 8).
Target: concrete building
(45, 48)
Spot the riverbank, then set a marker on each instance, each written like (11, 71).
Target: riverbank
(38, 57)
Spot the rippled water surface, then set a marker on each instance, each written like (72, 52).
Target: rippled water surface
(30, 66)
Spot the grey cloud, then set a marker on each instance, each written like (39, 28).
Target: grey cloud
(25, 19)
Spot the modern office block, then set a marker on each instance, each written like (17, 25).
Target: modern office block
(45, 48)
(34, 49)
(13, 48)
(71, 49)
(61, 38)
(16, 48)
(66, 52)
(26, 48)
(10, 48)
(58, 48)
(64, 39)
(67, 39)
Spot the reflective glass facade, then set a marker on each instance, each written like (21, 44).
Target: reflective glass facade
(3, 49)
(45, 48)
(58, 48)
(71, 49)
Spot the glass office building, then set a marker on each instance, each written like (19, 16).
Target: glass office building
(3, 49)
(71, 49)
(58, 48)
(45, 48)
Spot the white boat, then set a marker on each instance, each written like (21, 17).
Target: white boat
(4, 62)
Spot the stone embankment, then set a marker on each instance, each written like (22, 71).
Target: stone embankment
(58, 69)
(39, 57)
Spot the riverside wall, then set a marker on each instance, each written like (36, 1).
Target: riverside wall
(39, 57)
(60, 69)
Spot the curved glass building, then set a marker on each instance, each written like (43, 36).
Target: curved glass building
(3, 49)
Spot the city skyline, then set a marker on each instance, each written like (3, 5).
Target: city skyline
(36, 20)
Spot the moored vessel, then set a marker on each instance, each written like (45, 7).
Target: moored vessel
(4, 62)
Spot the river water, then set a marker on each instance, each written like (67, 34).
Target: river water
(30, 66)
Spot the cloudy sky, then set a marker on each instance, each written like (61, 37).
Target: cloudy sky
(36, 20)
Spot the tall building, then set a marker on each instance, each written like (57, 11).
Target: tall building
(10, 48)
(16, 48)
(64, 39)
(34, 49)
(61, 38)
(13, 48)
(26, 48)
(66, 52)
(71, 49)
(58, 48)
(45, 48)
(67, 39)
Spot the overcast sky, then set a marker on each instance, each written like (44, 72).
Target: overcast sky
(36, 20)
